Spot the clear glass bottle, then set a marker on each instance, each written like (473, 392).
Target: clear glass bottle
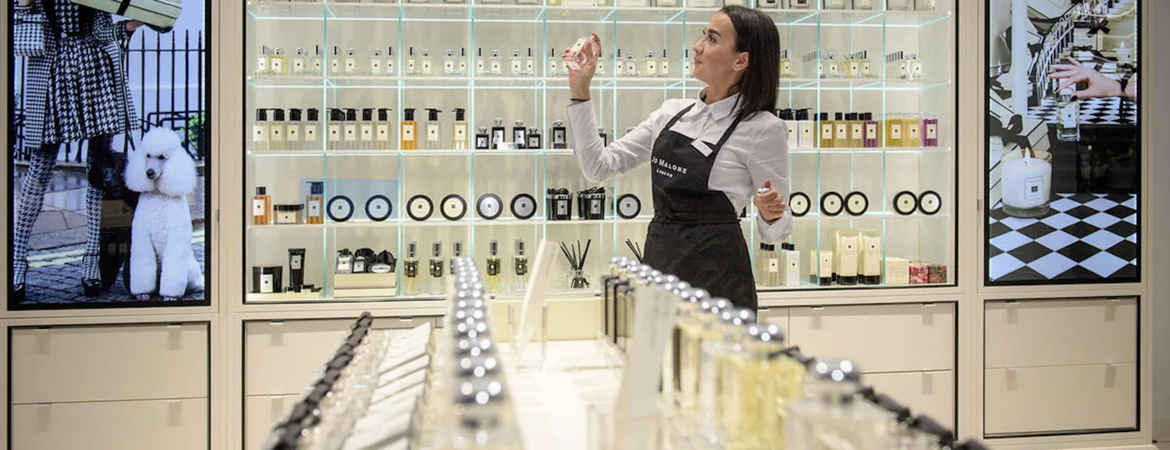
(384, 130)
(786, 65)
(893, 130)
(831, 416)
(688, 65)
(872, 138)
(912, 127)
(558, 135)
(1068, 116)
(493, 267)
(519, 268)
(769, 266)
(410, 271)
(449, 64)
(433, 127)
(765, 379)
(915, 65)
(351, 63)
(520, 135)
(276, 130)
(436, 265)
(480, 64)
(293, 139)
(299, 61)
(716, 379)
(461, 67)
(495, 65)
(425, 64)
(832, 67)
(262, 60)
(664, 65)
(316, 64)
(367, 135)
(260, 130)
(631, 69)
(619, 69)
(407, 135)
(388, 66)
(650, 65)
(553, 67)
(411, 63)
(696, 329)
(516, 64)
(499, 133)
(459, 130)
(529, 64)
(376, 62)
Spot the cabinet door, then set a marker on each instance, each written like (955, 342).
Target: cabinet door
(109, 363)
(1054, 399)
(778, 316)
(121, 425)
(879, 338)
(262, 413)
(930, 393)
(1061, 333)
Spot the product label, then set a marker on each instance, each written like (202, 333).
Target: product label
(663, 68)
(871, 131)
(258, 134)
(276, 135)
(562, 208)
(518, 137)
(426, 67)
(620, 69)
(408, 133)
(448, 67)
(497, 69)
(335, 67)
(389, 67)
(895, 132)
(786, 67)
(315, 208)
(497, 137)
(266, 284)
(552, 67)
(460, 133)
(317, 66)
(479, 66)
(793, 134)
(299, 65)
(833, 69)
(1068, 115)
(311, 134)
(932, 131)
(295, 263)
(917, 69)
(516, 67)
(433, 133)
(334, 133)
(842, 130)
(826, 131)
(367, 133)
(375, 66)
(462, 66)
(651, 67)
(481, 142)
(806, 133)
(293, 134)
(913, 131)
(595, 207)
(410, 67)
(631, 68)
(856, 131)
(351, 133)
(262, 67)
(558, 137)
(383, 132)
(854, 68)
(773, 265)
(1034, 189)
(865, 68)
(350, 66)
(258, 208)
(533, 142)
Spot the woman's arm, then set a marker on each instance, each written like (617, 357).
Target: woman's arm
(768, 161)
(109, 32)
(600, 162)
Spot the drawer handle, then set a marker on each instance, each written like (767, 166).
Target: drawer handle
(1011, 380)
(276, 323)
(406, 319)
(43, 417)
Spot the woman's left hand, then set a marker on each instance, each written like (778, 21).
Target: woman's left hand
(770, 205)
(132, 25)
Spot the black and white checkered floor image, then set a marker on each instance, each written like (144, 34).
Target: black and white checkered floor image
(1085, 237)
(1095, 111)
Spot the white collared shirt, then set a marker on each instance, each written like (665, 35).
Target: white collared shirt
(756, 151)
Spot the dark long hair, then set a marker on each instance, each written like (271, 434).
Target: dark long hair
(756, 34)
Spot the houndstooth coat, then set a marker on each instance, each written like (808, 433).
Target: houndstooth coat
(79, 91)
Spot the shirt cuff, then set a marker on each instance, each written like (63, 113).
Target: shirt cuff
(775, 232)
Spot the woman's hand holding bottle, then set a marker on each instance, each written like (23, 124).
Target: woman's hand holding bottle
(581, 77)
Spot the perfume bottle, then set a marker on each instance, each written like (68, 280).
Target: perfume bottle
(366, 136)
(856, 130)
(862, 4)
(495, 66)
(517, 64)
(493, 267)
(913, 129)
(410, 270)
(409, 141)
(790, 260)
(261, 207)
(482, 139)
(764, 378)
(915, 67)
(793, 130)
(459, 130)
(351, 63)
(899, 5)
(479, 64)
(262, 61)
(314, 202)
(388, 67)
(411, 63)
(456, 253)
(424, 63)
(449, 64)
(298, 62)
(650, 65)
(260, 130)
(808, 130)
(553, 67)
(600, 70)
(383, 130)
(276, 130)
(519, 268)
(830, 411)
(826, 134)
(664, 65)
(292, 130)
(865, 70)
(619, 69)
(1069, 117)
(714, 381)
(336, 134)
(834, 4)
(519, 135)
(871, 139)
(498, 131)
(688, 65)
(529, 64)
(831, 65)
(631, 69)
(559, 136)
(335, 63)
(854, 66)
(769, 264)
(436, 268)
(316, 64)
(461, 67)
(534, 139)
(840, 131)
(434, 141)
(893, 130)
(376, 63)
(351, 129)
(930, 129)
(786, 65)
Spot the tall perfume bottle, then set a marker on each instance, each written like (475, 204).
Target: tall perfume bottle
(260, 130)
(1069, 117)
(600, 70)
(769, 264)
(915, 65)
(631, 69)
(276, 130)
(312, 130)
(856, 130)
(553, 67)
(449, 64)
(808, 130)
(793, 130)
(292, 130)
(764, 379)
(350, 129)
(831, 65)
(619, 69)
(650, 65)
(664, 65)
(840, 131)
(410, 270)
(335, 63)
(480, 64)
(425, 63)
(436, 265)
(388, 66)
(495, 65)
(871, 138)
(519, 268)
(498, 132)
(461, 67)
(298, 62)
(830, 411)
(351, 63)
(367, 129)
(482, 139)
(314, 203)
(316, 64)
(434, 136)
(459, 130)
(493, 267)
(930, 129)
(893, 130)
(261, 207)
(688, 65)
(456, 253)
(262, 61)
(383, 130)
(529, 64)
(786, 65)
(376, 62)
(790, 262)
(517, 64)
(336, 134)
(411, 63)
(407, 134)
(558, 135)
(520, 134)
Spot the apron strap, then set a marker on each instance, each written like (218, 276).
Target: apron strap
(677, 117)
(727, 134)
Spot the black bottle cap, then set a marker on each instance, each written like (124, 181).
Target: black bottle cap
(261, 190)
(368, 114)
(851, 116)
(412, 250)
(802, 114)
(460, 114)
(462, 51)
(317, 187)
(408, 114)
(480, 52)
(824, 117)
(867, 116)
(437, 249)
(351, 114)
(787, 114)
(389, 51)
(433, 114)
(294, 115)
(767, 247)
(314, 115)
(839, 116)
(336, 115)
(494, 247)
(411, 50)
(384, 114)
(529, 52)
(277, 115)
(261, 115)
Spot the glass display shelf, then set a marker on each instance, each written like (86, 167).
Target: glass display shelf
(561, 83)
(405, 222)
(555, 152)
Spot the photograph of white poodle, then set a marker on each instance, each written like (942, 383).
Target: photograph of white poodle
(161, 258)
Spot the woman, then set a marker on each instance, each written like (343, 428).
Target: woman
(76, 92)
(708, 156)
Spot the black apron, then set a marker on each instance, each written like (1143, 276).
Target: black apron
(695, 233)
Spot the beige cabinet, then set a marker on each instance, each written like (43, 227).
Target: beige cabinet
(778, 316)
(930, 393)
(262, 412)
(118, 425)
(109, 363)
(879, 338)
(1045, 400)
(1061, 332)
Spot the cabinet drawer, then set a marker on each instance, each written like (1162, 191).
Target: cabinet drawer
(879, 338)
(778, 316)
(1060, 399)
(930, 393)
(263, 412)
(1064, 332)
(122, 425)
(109, 363)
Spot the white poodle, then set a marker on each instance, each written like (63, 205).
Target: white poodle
(161, 258)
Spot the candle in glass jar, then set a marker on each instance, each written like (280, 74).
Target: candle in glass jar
(1027, 185)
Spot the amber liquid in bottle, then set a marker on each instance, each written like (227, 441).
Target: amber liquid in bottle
(261, 207)
(825, 131)
(314, 203)
(409, 127)
(493, 267)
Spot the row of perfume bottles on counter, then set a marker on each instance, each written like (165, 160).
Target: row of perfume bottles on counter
(373, 128)
(273, 62)
(730, 382)
(900, 65)
(892, 5)
(859, 130)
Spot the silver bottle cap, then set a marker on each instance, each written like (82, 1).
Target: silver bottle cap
(836, 370)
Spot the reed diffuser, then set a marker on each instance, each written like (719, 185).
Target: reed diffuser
(576, 259)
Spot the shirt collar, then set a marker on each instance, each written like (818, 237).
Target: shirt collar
(719, 109)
